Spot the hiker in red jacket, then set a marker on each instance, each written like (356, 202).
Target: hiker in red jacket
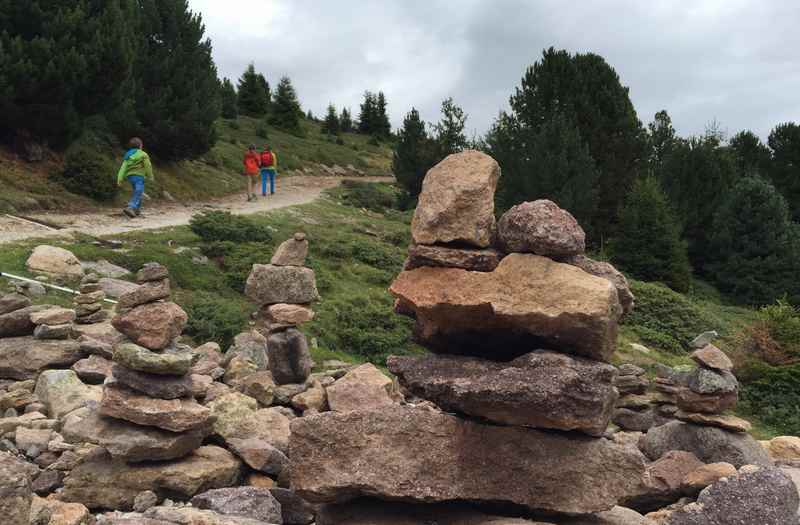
(252, 163)
(269, 170)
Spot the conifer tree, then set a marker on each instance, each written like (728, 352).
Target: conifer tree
(414, 154)
(286, 110)
(752, 156)
(449, 130)
(254, 95)
(346, 121)
(784, 171)
(330, 125)
(382, 126)
(648, 244)
(661, 140)
(367, 119)
(230, 100)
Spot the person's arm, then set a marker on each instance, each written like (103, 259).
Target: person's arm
(123, 170)
(275, 162)
(148, 168)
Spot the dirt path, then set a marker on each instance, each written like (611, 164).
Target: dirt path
(292, 191)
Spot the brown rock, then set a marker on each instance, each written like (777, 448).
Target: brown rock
(24, 358)
(13, 302)
(150, 272)
(434, 457)
(712, 357)
(90, 298)
(784, 448)
(176, 415)
(706, 475)
(689, 401)
(18, 323)
(154, 385)
(53, 316)
(541, 227)
(289, 358)
(238, 417)
(269, 284)
(457, 201)
(527, 300)
(727, 422)
(542, 389)
(153, 326)
(291, 253)
(259, 455)
(52, 260)
(93, 370)
(149, 292)
(210, 358)
(288, 314)
(113, 484)
(15, 491)
(16, 399)
(50, 332)
(313, 400)
(363, 388)
(259, 386)
(60, 513)
(663, 483)
(608, 272)
(471, 259)
(630, 384)
(259, 481)
(173, 361)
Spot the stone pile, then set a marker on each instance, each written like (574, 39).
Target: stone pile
(53, 323)
(284, 291)
(89, 302)
(495, 420)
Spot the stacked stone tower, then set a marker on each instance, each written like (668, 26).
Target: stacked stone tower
(510, 407)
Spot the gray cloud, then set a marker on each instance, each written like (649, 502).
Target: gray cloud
(735, 61)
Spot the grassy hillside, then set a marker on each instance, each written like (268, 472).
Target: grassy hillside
(358, 242)
(27, 186)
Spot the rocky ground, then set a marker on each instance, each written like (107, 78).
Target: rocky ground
(515, 417)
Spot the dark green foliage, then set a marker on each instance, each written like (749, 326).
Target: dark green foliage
(369, 195)
(261, 131)
(286, 110)
(449, 131)
(254, 93)
(772, 394)
(222, 226)
(666, 319)
(754, 247)
(784, 141)
(214, 318)
(87, 172)
(648, 244)
(782, 322)
(331, 125)
(373, 119)
(414, 154)
(661, 139)
(377, 255)
(752, 156)
(346, 121)
(229, 99)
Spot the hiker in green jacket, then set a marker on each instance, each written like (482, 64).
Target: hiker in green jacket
(136, 168)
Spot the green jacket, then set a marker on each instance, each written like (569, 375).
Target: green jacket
(136, 162)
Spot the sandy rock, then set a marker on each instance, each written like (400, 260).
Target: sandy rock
(151, 272)
(288, 314)
(27, 438)
(114, 484)
(192, 516)
(93, 370)
(10, 424)
(175, 362)
(292, 252)
(248, 502)
(663, 482)
(616, 516)
(251, 346)
(238, 417)
(54, 512)
(269, 284)
(259, 455)
(436, 457)
(541, 389)
(104, 268)
(472, 259)
(313, 400)
(608, 272)
(13, 302)
(153, 385)
(48, 332)
(51, 260)
(147, 293)
(238, 370)
(18, 323)
(527, 300)
(630, 384)
(541, 227)
(53, 316)
(259, 386)
(727, 422)
(116, 288)
(210, 358)
(690, 401)
(363, 388)
(709, 444)
(785, 448)
(16, 400)
(62, 391)
(176, 415)
(289, 358)
(712, 357)
(700, 478)
(145, 500)
(153, 326)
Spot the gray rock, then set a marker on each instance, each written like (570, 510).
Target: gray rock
(291, 253)
(62, 391)
(633, 420)
(145, 500)
(248, 502)
(13, 302)
(15, 491)
(295, 510)
(93, 370)
(153, 385)
(289, 358)
(116, 288)
(541, 227)
(710, 382)
(147, 293)
(47, 482)
(706, 338)
(53, 332)
(18, 323)
(259, 455)
(709, 444)
(152, 271)
(250, 345)
(104, 268)
(472, 259)
(373, 512)
(269, 284)
(172, 361)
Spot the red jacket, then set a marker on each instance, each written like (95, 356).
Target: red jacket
(252, 162)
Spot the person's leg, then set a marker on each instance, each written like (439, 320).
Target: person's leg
(264, 174)
(253, 185)
(271, 181)
(137, 185)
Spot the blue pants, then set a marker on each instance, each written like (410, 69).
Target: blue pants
(267, 173)
(137, 184)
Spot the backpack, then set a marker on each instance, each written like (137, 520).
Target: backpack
(267, 159)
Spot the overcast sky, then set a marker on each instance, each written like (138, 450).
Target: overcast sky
(735, 61)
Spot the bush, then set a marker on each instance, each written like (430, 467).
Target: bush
(261, 131)
(667, 319)
(214, 318)
(87, 172)
(775, 336)
(219, 226)
(236, 259)
(378, 255)
(370, 195)
(772, 394)
(339, 141)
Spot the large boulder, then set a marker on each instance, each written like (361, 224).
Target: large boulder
(176, 415)
(289, 358)
(608, 272)
(472, 259)
(269, 284)
(709, 444)
(541, 227)
(362, 388)
(130, 442)
(456, 204)
(113, 484)
(238, 417)
(15, 491)
(414, 454)
(18, 323)
(62, 391)
(158, 386)
(23, 358)
(154, 325)
(527, 300)
(56, 261)
(248, 502)
(172, 362)
(541, 389)
(762, 495)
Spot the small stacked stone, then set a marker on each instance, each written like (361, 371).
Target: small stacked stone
(89, 302)
(284, 290)
(633, 409)
(53, 323)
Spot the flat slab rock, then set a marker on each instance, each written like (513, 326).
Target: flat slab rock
(542, 389)
(473, 259)
(175, 415)
(23, 358)
(527, 302)
(434, 457)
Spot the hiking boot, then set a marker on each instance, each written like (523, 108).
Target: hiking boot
(138, 212)
(129, 212)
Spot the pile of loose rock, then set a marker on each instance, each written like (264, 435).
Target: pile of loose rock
(89, 302)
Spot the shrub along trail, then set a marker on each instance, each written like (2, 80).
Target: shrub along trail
(162, 214)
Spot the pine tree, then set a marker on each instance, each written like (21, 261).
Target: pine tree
(230, 100)
(367, 119)
(254, 95)
(346, 121)
(784, 171)
(754, 246)
(648, 244)
(449, 130)
(752, 156)
(330, 125)
(286, 110)
(661, 140)
(414, 154)
(382, 126)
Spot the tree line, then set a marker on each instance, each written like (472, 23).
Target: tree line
(661, 206)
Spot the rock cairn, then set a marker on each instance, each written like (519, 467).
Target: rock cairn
(284, 291)
(89, 302)
(53, 324)
(497, 420)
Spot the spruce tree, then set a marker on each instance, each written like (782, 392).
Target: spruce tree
(253, 93)
(383, 128)
(784, 171)
(346, 121)
(414, 154)
(330, 125)
(648, 244)
(286, 110)
(230, 100)
(661, 140)
(752, 156)
(450, 136)
(367, 119)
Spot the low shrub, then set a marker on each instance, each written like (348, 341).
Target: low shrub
(772, 395)
(220, 226)
(87, 172)
(214, 318)
(775, 336)
(261, 131)
(377, 254)
(370, 195)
